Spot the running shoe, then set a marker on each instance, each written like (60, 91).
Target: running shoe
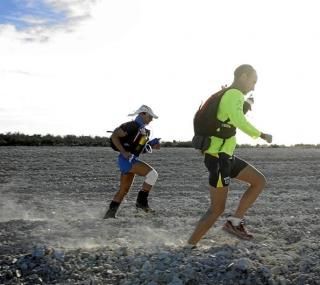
(239, 231)
(110, 214)
(145, 207)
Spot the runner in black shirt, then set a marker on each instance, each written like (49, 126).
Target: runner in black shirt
(131, 139)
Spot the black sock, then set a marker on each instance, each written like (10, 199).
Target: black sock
(114, 205)
(143, 197)
(113, 208)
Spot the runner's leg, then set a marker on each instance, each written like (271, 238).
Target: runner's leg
(143, 169)
(126, 181)
(218, 200)
(256, 181)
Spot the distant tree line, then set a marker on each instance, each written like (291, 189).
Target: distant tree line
(19, 139)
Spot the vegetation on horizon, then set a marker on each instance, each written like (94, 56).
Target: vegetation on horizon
(19, 139)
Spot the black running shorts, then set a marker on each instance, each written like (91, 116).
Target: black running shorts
(223, 168)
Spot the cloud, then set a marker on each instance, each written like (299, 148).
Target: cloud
(16, 71)
(32, 20)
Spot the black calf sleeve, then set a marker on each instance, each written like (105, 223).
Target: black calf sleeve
(114, 205)
(142, 196)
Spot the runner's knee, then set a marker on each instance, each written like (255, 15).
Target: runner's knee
(151, 177)
(260, 181)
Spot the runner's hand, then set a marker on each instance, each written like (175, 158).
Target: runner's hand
(266, 137)
(126, 154)
(155, 143)
(156, 146)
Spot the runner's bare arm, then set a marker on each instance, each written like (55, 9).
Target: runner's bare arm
(115, 137)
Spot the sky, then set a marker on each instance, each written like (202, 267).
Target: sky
(79, 67)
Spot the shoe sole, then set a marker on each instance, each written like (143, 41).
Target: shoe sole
(108, 217)
(190, 248)
(230, 231)
(149, 212)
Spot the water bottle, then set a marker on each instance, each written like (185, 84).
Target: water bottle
(142, 141)
(247, 105)
(250, 100)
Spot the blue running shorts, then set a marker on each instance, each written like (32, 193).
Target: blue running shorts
(124, 164)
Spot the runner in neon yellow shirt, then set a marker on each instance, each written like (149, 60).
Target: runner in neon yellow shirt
(224, 165)
(231, 107)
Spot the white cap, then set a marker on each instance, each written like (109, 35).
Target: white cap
(144, 109)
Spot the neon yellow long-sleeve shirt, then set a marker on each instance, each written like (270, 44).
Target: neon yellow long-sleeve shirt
(231, 107)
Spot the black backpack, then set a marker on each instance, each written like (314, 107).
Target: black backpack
(206, 123)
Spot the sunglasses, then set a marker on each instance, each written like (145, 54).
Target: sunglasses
(144, 113)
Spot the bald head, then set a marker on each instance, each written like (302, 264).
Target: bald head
(245, 78)
(243, 69)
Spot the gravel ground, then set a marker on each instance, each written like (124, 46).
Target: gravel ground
(52, 231)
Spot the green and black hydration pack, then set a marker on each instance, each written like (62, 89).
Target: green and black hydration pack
(206, 123)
